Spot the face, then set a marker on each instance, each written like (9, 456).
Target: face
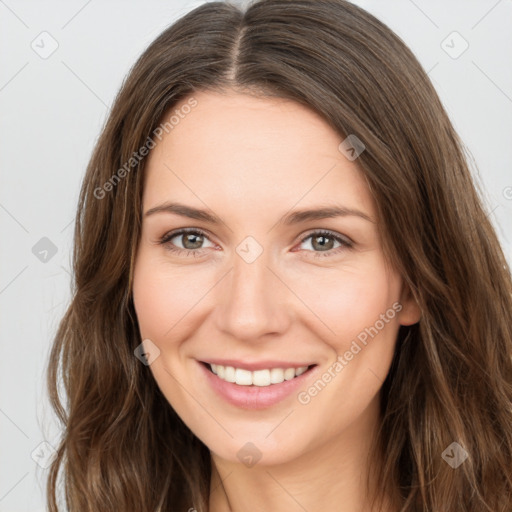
(235, 275)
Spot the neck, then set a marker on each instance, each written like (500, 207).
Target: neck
(330, 477)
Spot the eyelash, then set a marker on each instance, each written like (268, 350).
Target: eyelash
(345, 244)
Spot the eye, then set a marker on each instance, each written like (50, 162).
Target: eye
(185, 240)
(323, 243)
(190, 242)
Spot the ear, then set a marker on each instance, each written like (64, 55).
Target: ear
(410, 312)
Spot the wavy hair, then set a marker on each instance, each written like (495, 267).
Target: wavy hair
(123, 447)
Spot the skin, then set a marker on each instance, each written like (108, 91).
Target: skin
(250, 161)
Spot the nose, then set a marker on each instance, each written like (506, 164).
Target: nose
(252, 301)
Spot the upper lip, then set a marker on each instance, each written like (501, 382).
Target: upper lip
(257, 365)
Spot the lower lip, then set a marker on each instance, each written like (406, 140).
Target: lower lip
(254, 397)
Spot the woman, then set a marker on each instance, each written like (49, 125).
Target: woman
(288, 295)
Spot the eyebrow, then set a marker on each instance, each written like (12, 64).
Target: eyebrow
(295, 217)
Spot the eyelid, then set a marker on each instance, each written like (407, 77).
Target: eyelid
(182, 231)
(333, 234)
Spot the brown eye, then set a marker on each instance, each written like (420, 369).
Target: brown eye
(186, 240)
(324, 242)
(191, 241)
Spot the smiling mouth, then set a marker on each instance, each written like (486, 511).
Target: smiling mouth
(257, 378)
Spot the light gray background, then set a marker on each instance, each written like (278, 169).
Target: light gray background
(52, 110)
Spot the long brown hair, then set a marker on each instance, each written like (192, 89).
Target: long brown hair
(123, 447)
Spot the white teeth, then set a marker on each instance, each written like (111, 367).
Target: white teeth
(261, 378)
(229, 374)
(242, 377)
(256, 378)
(276, 375)
(301, 370)
(289, 373)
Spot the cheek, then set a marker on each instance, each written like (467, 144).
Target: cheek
(163, 296)
(348, 300)
(151, 300)
(361, 308)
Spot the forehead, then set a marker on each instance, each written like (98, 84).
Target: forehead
(251, 152)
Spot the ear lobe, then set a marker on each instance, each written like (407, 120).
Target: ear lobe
(410, 312)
